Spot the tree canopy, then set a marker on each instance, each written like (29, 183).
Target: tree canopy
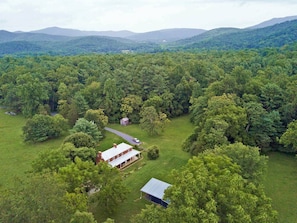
(88, 127)
(255, 88)
(42, 198)
(211, 188)
(42, 127)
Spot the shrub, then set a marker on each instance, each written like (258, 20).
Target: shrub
(80, 139)
(153, 153)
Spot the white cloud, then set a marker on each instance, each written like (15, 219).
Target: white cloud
(141, 15)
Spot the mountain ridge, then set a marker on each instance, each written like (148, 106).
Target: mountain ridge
(25, 43)
(272, 22)
(78, 33)
(157, 36)
(271, 36)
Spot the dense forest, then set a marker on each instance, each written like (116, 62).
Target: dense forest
(245, 98)
(241, 96)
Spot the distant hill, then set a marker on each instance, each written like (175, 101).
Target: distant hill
(26, 43)
(272, 36)
(20, 48)
(166, 35)
(272, 22)
(76, 33)
(6, 36)
(36, 43)
(207, 35)
(99, 44)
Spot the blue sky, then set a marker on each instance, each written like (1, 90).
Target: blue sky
(141, 15)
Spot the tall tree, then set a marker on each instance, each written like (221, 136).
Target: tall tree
(252, 164)
(182, 94)
(51, 161)
(211, 189)
(80, 139)
(80, 176)
(271, 96)
(83, 217)
(98, 117)
(112, 100)
(260, 128)
(225, 107)
(32, 91)
(289, 139)
(112, 189)
(130, 107)
(40, 199)
(221, 122)
(81, 104)
(93, 94)
(83, 153)
(152, 122)
(88, 127)
(42, 127)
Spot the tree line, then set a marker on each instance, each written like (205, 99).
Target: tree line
(245, 96)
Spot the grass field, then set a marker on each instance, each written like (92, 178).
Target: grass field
(280, 185)
(171, 157)
(16, 157)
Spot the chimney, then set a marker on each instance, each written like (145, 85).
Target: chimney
(115, 145)
(98, 157)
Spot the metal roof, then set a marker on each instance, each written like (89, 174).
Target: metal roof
(124, 158)
(155, 188)
(116, 150)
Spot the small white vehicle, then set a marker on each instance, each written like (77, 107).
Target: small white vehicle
(136, 140)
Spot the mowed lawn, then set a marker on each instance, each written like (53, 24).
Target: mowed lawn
(15, 155)
(280, 185)
(136, 176)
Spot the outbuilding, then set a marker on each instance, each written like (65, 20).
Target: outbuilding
(124, 121)
(154, 190)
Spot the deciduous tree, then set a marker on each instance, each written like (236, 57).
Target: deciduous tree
(289, 139)
(130, 107)
(42, 127)
(84, 153)
(210, 188)
(51, 161)
(98, 117)
(152, 122)
(80, 139)
(252, 164)
(32, 91)
(112, 189)
(40, 199)
(80, 176)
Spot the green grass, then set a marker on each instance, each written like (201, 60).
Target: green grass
(280, 185)
(171, 157)
(16, 156)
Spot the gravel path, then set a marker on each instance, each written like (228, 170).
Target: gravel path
(125, 136)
